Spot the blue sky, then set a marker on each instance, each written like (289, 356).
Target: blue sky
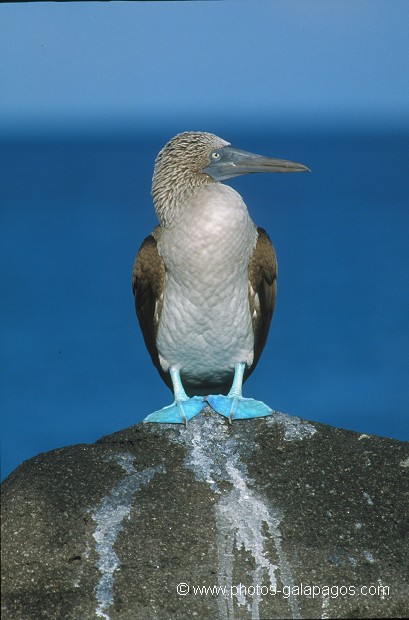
(304, 60)
(264, 73)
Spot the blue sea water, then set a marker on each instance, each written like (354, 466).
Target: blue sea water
(74, 211)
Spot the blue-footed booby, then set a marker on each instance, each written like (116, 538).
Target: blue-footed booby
(204, 281)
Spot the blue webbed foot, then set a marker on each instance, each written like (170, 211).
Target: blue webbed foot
(234, 406)
(179, 412)
(238, 408)
(183, 409)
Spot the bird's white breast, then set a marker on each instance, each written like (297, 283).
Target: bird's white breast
(205, 327)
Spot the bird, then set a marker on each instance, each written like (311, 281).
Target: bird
(205, 279)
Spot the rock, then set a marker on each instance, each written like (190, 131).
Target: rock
(268, 518)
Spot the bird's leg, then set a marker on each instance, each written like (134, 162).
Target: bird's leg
(234, 406)
(183, 408)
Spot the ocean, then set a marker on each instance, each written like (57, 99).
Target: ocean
(74, 210)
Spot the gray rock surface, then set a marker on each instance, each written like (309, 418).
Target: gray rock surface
(276, 517)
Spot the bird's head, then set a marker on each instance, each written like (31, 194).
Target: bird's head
(195, 158)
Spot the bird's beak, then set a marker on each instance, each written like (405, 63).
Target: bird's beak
(234, 162)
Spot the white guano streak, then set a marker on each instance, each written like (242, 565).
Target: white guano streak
(244, 518)
(109, 516)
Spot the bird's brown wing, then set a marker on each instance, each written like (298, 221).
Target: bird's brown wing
(262, 292)
(148, 282)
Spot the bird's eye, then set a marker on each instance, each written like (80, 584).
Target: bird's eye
(215, 155)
